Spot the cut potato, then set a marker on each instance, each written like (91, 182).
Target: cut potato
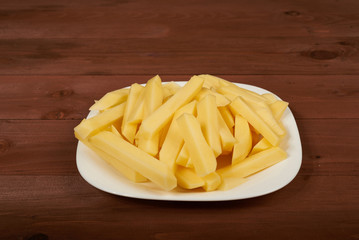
(262, 145)
(254, 163)
(206, 112)
(221, 100)
(263, 110)
(203, 158)
(158, 119)
(225, 135)
(183, 156)
(188, 179)
(153, 97)
(243, 135)
(208, 134)
(99, 122)
(211, 81)
(169, 89)
(115, 131)
(232, 91)
(128, 130)
(231, 182)
(271, 98)
(135, 115)
(174, 140)
(211, 182)
(111, 99)
(227, 117)
(278, 108)
(238, 106)
(135, 158)
(122, 168)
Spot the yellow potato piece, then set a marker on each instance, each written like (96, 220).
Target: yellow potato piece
(183, 156)
(211, 182)
(203, 158)
(262, 145)
(135, 158)
(256, 137)
(159, 118)
(263, 110)
(221, 100)
(243, 135)
(128, 130)
(226, 137)
(254, 163)
(206, 112)
(135, 115)
(153, 97)
(120, 167)
(115, 131)
(278, 108)
(149, 145)
(129, 173)
(169, 89)
(271, 98)
(231, 182)
(238, 106)
(189, 163)
(174, 140)
(111, 99)
(232, 91)
(188, 179)
(163, 134)
(99, 122)
(227, 117)
(211, 81)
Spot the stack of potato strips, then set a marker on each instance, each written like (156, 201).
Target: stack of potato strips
(208, 134)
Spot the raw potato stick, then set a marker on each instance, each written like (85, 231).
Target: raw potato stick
(129, 130)
(254, 163)
(244, 140)
(206, 115)
(203, 158)
(174, 141)
(135, 158)
(239, 107)
(158, 119)
(111, 99)
(99, 122)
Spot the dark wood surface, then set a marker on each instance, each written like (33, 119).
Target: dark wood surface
(56, 57)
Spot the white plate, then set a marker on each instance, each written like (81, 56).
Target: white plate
(102, 176)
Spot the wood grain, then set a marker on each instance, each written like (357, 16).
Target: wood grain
(140, 37)
(143, 19)
(69, 97)
(63, 207)
(184, 55)
(57, 57)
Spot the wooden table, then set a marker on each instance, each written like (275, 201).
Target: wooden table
(57, 57)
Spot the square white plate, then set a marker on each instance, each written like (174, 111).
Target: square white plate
(102, 176)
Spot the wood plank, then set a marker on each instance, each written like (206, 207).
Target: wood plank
(47, 147)
(69, 97)
(38, 147)
(63, 207)
(142, 19)
(187, 54)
